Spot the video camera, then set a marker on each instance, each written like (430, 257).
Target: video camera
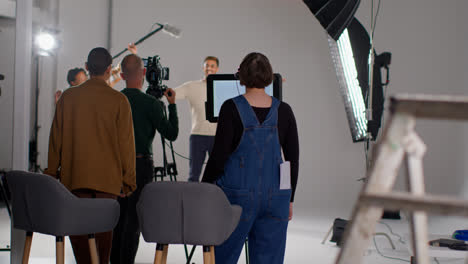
(155, 74)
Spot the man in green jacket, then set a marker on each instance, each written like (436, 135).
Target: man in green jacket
(148, 116)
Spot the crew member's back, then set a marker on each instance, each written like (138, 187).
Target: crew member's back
(96, 142)
(91, 145)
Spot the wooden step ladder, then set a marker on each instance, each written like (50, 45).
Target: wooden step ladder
(400, 143)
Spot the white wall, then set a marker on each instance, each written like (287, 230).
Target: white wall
(7, 62)
(426, 38)
(297, 46)
(422, 35)
(83, 26)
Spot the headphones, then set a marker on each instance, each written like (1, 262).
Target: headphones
(236, 75)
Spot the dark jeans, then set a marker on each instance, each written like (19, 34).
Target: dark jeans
(199, 147)
(103, 240)
(127, 232)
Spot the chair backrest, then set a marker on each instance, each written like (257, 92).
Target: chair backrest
(31, 195)
(186, 213)
(42, 204)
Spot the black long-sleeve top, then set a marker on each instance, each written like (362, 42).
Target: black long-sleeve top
(229, 133)
(148, 116)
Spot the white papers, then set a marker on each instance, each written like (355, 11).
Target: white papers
(285, 175)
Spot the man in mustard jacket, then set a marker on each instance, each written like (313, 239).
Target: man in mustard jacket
(92, 146)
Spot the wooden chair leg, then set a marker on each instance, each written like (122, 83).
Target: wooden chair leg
(158, 256)
(60, 250)
(164, 256)
(212, 254)
(27, 247)
(93, 249)
(206, 255)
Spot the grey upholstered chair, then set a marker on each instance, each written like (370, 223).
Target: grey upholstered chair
(42, 204)
(186, 213)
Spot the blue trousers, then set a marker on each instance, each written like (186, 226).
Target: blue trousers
(199, 147)
(264, 221)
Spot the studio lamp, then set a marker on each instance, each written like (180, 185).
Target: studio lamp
(357, 66)
(346, 71)
(46, 43)
(351, 55)
(350, 48)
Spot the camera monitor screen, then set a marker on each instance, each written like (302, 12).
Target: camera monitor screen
(221, 87)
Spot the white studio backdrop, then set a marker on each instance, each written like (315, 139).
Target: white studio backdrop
(426, 37)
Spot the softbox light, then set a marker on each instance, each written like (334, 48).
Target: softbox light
(333, 15)
(350, 55)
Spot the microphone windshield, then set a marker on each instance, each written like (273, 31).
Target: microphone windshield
(171, 30)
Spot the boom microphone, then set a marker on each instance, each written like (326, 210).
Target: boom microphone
(171, 30)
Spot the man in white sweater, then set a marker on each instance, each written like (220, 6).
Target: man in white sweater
(203, 132)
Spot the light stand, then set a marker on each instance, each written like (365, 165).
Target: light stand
(5, 194)
(33, 153)
(46, 44)
(2, 77)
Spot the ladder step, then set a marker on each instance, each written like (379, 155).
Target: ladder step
(432, 106)
(433, 204)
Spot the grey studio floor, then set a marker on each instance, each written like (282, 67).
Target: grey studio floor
(305, 234)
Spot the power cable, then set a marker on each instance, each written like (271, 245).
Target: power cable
(374, 21)
(400, 239)
(180, 155)
(387, 257)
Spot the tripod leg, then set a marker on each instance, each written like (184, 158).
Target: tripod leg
(174, 172)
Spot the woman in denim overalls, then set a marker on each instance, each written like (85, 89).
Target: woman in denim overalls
(251, 175)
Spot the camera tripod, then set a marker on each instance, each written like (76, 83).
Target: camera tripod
(167, 169)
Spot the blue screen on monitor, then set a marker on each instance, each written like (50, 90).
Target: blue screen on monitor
(226, 89)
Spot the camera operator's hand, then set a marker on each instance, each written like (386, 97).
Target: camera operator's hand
(170, 95)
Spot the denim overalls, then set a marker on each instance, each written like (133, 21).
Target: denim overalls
(251, 179)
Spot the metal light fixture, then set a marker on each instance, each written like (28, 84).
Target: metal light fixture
(351, 54)
(346, 72)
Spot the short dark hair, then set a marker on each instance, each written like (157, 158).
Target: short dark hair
(212, 58)
(98, 61)
(255, 71)
(71, 75)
